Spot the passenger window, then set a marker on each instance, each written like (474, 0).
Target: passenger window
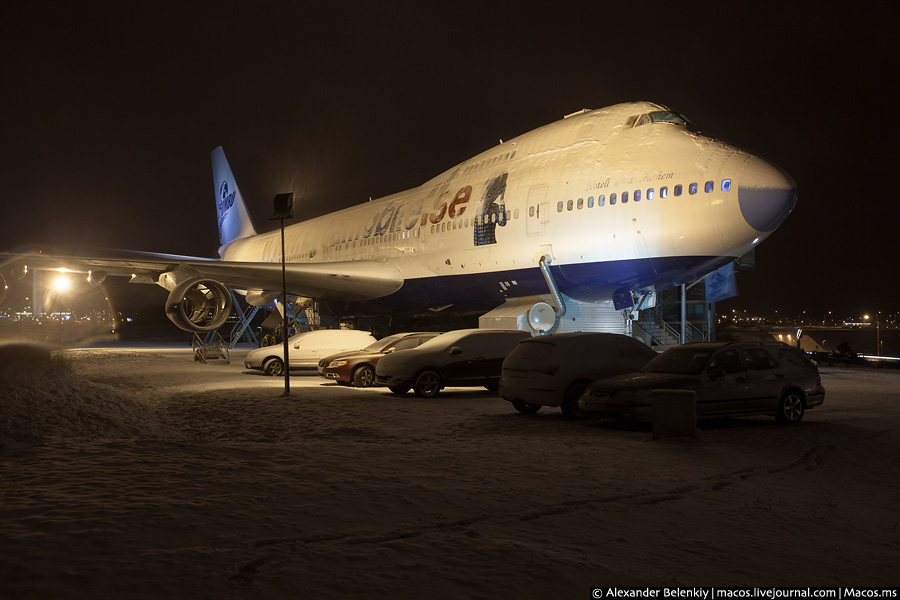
(612, 198)
(663, 192)
(650, 194)
(569, 205)
(709, 186)
(728, 360)
(624, 197)
(726, 185)
(580, 203)
(637, 195)
(590, 202)
(601, 200)
(678, 190)
(559, 206)
(530, 211)
(692, 189)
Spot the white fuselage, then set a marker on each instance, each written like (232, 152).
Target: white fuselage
(677, 211)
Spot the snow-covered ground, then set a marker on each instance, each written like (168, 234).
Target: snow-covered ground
(143, 474)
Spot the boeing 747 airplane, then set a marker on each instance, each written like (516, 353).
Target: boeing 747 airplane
(603, 206)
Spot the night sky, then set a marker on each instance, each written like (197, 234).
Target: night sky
(110, 113)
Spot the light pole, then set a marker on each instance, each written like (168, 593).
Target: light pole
(878, 332)
(284, 205)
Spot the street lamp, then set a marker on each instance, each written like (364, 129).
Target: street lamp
(284, 205)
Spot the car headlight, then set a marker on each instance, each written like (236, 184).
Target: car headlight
(336, 363)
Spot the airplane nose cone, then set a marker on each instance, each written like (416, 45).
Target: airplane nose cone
(766, 195)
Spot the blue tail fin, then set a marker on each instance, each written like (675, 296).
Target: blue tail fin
(234, 220)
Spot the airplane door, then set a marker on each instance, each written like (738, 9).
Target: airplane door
(537, 212)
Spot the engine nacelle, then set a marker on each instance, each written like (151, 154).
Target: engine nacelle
(199, 305)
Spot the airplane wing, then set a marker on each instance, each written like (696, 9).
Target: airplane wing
(349, 280)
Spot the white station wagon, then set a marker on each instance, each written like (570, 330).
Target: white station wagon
(305, 349)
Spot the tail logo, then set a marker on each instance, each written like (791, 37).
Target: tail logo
(226, 200)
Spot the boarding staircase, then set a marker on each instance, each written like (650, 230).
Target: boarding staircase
(661, 334)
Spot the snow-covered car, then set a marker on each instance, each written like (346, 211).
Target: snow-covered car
(306, 349)
(466, 357)
(357, 367)
(728, 378)
(554, 370)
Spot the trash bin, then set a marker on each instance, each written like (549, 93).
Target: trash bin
(674, 413)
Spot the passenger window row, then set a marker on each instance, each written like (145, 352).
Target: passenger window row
(637, 195)
(495, 218)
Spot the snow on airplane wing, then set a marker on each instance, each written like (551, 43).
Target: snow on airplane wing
(348, 280)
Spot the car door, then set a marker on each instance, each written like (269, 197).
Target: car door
(723, 384)
(765, 380)
(464, 363)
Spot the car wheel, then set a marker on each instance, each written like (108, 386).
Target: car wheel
(273, 367)
(569, 404)
(790, 408)
(525, 408)
(427, 385)
(364, 376)
(400, 390)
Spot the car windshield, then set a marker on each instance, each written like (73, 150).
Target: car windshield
(684, 360)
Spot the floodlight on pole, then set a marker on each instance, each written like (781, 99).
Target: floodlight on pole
(284, 209)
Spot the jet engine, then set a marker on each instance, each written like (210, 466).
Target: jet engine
(199, 305)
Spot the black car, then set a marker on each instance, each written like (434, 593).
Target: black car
(729, 379)
(467, 357)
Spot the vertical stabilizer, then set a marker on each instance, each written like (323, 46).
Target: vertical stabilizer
(234, 220)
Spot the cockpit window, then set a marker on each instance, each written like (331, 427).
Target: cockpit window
(658, 116)
(667, 116)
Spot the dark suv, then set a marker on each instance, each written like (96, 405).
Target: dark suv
(729, 378)
(467, 357)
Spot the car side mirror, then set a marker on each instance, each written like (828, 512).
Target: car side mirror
(454, 350)
(297, 346)
(389, 350)
(716, 373)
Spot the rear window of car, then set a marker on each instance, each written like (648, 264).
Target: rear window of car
(758, 359)
(793, 357)
(593, 345)
(631, 347)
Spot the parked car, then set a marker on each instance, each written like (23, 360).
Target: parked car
(357, 367)
(554, 370)
(467, 357)
(306, 349)
(729, 379)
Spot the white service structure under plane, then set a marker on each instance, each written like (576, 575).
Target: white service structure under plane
(623, 199)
